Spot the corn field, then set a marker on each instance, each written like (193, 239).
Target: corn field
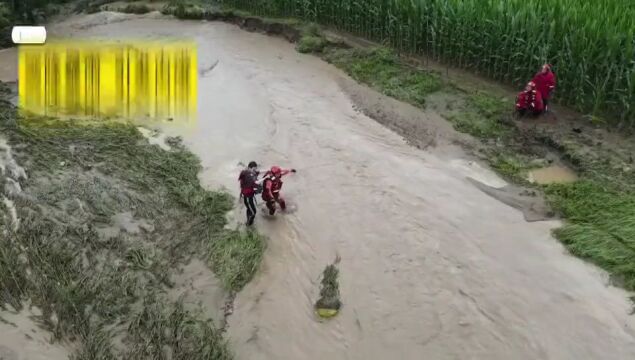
(590, 43)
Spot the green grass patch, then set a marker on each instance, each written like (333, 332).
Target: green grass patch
(307, 28)
(168, 331)
(90, 6)
(477, 125)
(189, 10)
(236, 256)
(382, 69)
(311, 40)
(135, 9)
(489, 105)
(185, 12)
(510, 165)
(601, 226)
(482, 117)
(311, 44)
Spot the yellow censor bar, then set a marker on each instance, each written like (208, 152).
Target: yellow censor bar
(139, 80)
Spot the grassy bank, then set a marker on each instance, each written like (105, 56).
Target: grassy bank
(96, 277)
(598, 208)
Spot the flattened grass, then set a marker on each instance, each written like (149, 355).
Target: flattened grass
(91, 287)
(382, 69)
(601, 226)
(235, 257)
(482, 116)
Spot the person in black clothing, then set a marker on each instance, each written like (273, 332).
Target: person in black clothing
(249, 187)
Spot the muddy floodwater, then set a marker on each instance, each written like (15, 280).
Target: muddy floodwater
(431, 266)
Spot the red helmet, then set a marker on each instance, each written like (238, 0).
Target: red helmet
(276, 171)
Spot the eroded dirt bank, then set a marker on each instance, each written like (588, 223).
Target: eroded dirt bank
(431, 266)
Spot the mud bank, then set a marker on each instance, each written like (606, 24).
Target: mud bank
(430, 265)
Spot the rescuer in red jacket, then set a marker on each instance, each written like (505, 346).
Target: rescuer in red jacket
(545, 81)
(530, 101)
(272, 184)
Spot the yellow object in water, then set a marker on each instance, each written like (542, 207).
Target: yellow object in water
(134, 80)
(327, 313)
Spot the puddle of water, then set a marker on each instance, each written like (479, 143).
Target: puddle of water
(551, 175)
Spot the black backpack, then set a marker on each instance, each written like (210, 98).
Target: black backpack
(250, 177)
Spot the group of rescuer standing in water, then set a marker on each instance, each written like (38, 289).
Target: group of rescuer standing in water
(269, 185)
(533, 100)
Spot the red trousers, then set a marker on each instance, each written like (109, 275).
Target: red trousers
(271, 203)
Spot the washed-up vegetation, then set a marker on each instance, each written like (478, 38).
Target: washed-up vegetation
(329, 302)
(504, 40)
(94, 279)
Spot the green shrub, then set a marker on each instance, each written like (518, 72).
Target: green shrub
(311, 44)
(136, 9)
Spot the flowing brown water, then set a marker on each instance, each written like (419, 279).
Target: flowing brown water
(431, 266)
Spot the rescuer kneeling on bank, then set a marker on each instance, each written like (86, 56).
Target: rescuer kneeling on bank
(529, 101)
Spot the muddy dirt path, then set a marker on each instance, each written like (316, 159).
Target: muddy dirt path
(431, 266)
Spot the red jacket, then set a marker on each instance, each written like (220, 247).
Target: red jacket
(530, 100)
(545, 83)
(273, 184)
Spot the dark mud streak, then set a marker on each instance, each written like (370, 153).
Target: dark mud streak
(534, 208)
(209, 69)
(227, 311)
